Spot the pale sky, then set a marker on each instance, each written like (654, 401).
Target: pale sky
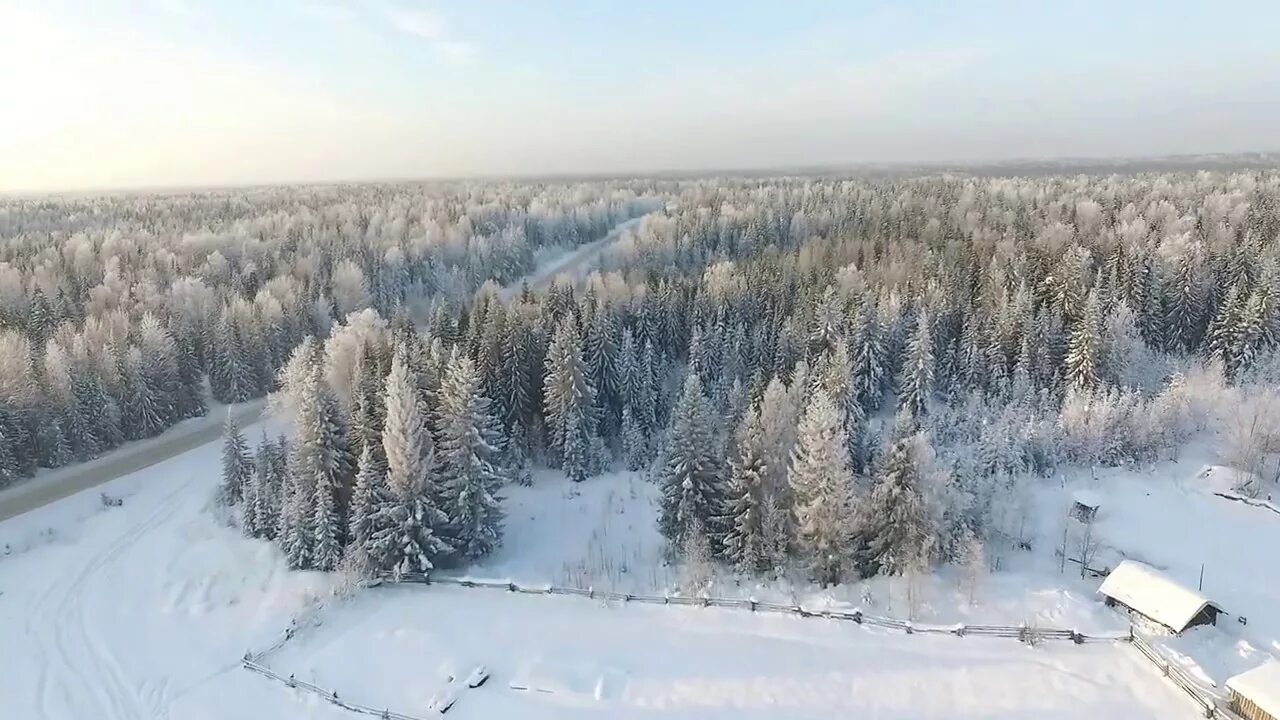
(150, 93)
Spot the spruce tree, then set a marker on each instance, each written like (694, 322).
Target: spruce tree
(916, 384)
(690, 474)
(822, 485)
(568, 399)
(409, 525)
(896, 524)
(1084, 348)
(237, 467)
(745, 537)
(473, 461)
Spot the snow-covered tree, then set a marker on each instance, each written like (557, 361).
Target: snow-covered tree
(237, 466)
(690, 473)
(568, 399)
(896, 523)
(746, 533)
(915, 387)
(822, 484)
(473, 461)
(409, 525)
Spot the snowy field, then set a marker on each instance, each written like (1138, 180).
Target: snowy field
(582, 658)
(143, 611)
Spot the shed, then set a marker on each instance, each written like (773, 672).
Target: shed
(1255, 695)
(1084, 505)
(1143, 590)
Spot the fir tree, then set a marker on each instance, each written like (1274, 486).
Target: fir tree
(690, 472)
(896, 523)
(916, 385)
(473, 459)
(237, 467)
(745, 537)
(1084, 347)
(822, 484)
(568, 398)
(408, 526)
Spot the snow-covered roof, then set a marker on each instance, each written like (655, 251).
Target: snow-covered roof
(1147, 591)
(1089, 498)
(1261, 686)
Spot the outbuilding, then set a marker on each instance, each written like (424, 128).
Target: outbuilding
(1255, 695)
(1142, 590)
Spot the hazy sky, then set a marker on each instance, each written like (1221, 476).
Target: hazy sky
(119, 93)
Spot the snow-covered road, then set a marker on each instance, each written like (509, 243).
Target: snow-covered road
(56, 484)
(569, 263)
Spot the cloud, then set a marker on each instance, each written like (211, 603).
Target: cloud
(430, 27)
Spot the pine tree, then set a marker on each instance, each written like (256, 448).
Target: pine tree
(822, 484)
(237, 467)
(568, 399)
(744, 544)
(690, 472)
(1184, 316)
(601, 358)
(472, 455)
(916, 384)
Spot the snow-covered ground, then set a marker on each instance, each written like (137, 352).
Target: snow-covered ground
(581, 658)
(144, 610)
(1169, 516)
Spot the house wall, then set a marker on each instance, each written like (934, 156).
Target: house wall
(1246, 709)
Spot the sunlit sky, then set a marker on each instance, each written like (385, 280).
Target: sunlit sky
(149, 93)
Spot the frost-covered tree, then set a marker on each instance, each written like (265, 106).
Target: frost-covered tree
(690, 472)
(568, 399)
(896, 523)
(473, 461)
(237, 466)
(822, 485)
(746, 532)
(409, 526)
(915, 387)
(1084, 348)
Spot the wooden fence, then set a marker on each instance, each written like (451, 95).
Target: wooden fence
(1024, 633)
(1205, 699)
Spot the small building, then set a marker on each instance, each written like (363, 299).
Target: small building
(1255, 695)
(1142, 590)
(1084, 506)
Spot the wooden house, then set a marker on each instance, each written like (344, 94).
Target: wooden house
(1142, 590)
(1255, 695)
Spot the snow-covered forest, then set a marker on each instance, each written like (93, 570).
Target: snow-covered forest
(853, 377)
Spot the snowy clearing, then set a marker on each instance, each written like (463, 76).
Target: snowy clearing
(565, 657)
(144, 611)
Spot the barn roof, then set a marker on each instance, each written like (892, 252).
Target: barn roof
(1144, 589)
(1261, 686)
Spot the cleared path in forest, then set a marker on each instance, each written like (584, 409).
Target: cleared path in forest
(56, 484)
(570, 262)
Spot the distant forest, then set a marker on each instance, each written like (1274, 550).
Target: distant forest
(851, 376)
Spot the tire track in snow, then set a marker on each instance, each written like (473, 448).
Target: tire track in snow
(87, 662)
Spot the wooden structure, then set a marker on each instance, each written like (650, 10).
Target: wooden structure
(1255, 695)
(1142, 590)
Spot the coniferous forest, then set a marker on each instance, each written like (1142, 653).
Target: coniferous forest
(850, 376)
